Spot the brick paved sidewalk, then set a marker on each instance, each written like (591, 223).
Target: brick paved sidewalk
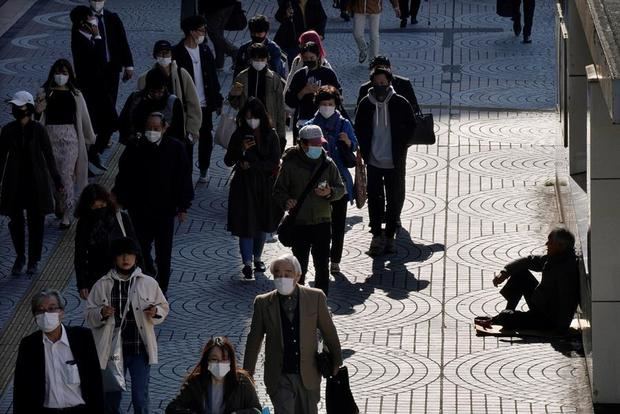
(474, 201)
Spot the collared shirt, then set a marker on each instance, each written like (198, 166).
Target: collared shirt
(289, 303)
(62, 377)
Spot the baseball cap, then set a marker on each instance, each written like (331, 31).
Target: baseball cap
(22, 98)
(160, 46)
(312, 134)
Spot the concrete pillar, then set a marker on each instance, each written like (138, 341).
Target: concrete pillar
(578, 59)
(603, 149)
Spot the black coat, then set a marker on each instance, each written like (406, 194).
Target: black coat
(211, 6)
(305, 108)
(29, 385)
(401, 85)
(290, 28)
(27, 167)
(118, 46)
(93, 234)
(155, 180)
(402, 125)
(209, 74)
(251, 208)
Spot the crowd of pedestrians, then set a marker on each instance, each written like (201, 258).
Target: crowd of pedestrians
(286, 84)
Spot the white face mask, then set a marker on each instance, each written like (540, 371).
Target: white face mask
(47, 321)
(61, 80)
(93, 21)
(164, 61)
(152, 136)
(258, 65)
(285, 285)
(327, 110)
(97, 5)
(253, 122)
(200, 39)
(219, 369)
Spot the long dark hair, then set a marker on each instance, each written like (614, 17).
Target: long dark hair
(90, 194)
(231, 380)
(50, 82)
(257, 109)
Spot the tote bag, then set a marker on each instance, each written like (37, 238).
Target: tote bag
(226, 126)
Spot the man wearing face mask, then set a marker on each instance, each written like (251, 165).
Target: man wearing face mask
(313, 216)
(27, 168)
(155, 97)
(289, 318)
(193, 54)
(57, 368)
(154, 183)
(181, 85)
(259, 28)
(383, 123)
(125, 305)
(260, 82)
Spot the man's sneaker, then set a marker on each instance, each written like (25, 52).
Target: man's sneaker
(334, 268)
(18, 266)
(363, 55)
(527, 40)
(259, 267)
(33, 268)
(204, 176)
(247, 272)
(376, 246)
(389, 248)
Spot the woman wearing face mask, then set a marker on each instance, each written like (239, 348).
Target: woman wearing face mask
(215, 385)
(62, 109)
(341, 143)
(305, 83)
(126, 304)
(260, 82)
(27, 168)
(313, 216)
(99, 223)
(297, 61)
(181, 85)
(254, 151)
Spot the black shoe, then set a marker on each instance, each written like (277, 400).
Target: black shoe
(414, 20)
(403, 23)
(64, 226)
(33, 268)
(247, 272)
(95, 160)
(526, 39)
(260, 267)
(18, 266)
(345, 16)
(516, 27)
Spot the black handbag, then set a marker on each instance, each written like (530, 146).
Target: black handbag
(338, 396)
(424, 132)
(324, 363)
(286, 229)
(237, 20)
(505, 8)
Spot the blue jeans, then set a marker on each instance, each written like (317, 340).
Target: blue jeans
(140, 372)
(249, 247)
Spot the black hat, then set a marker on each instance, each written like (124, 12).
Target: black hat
(160, 46)
(124, 245)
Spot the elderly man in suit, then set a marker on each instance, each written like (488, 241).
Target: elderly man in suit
(57, 367)
(289, 318)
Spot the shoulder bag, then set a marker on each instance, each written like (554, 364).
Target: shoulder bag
(424, 132)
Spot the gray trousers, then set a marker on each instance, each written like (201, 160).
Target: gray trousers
(292, 397)
(215, 28)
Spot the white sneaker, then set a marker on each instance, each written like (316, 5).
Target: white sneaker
(204, 177)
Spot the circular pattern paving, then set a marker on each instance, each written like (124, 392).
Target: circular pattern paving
(58, 20)
(525, 205)
(510, 164)
(482, 302)
(530, 373)
(514, 68)
(494, 251)
(532, 130)
(529, 96)
(501, 42)
(421, 205)
(419, 163)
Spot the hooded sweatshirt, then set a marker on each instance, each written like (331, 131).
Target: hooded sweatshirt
(381, 144)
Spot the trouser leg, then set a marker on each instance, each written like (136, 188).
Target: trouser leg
(36, 223)
(140, 371)
(394, 181)
(301, 249)
(516, 10)
(414, 8)
(359, 23)
(376, 200)
(112, 402)
(339, 218)
(215, 27)
(205, 143)
(258, 245)
(17, 228)
(145, 234)
(375, 21)
(528, 16)
(404, 8)
(245, 248)
(163, 250)
(321, 236)
(520, 284)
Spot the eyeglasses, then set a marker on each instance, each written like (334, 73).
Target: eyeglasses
(201, 30)
(51, 309)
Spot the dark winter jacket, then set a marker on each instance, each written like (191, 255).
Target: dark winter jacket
(251, 208)
(155, 179)
(295, 173)
(557, 295)
(27, 167)
(276, 64)
(314, 18)
(305, 108)
(401, 121)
